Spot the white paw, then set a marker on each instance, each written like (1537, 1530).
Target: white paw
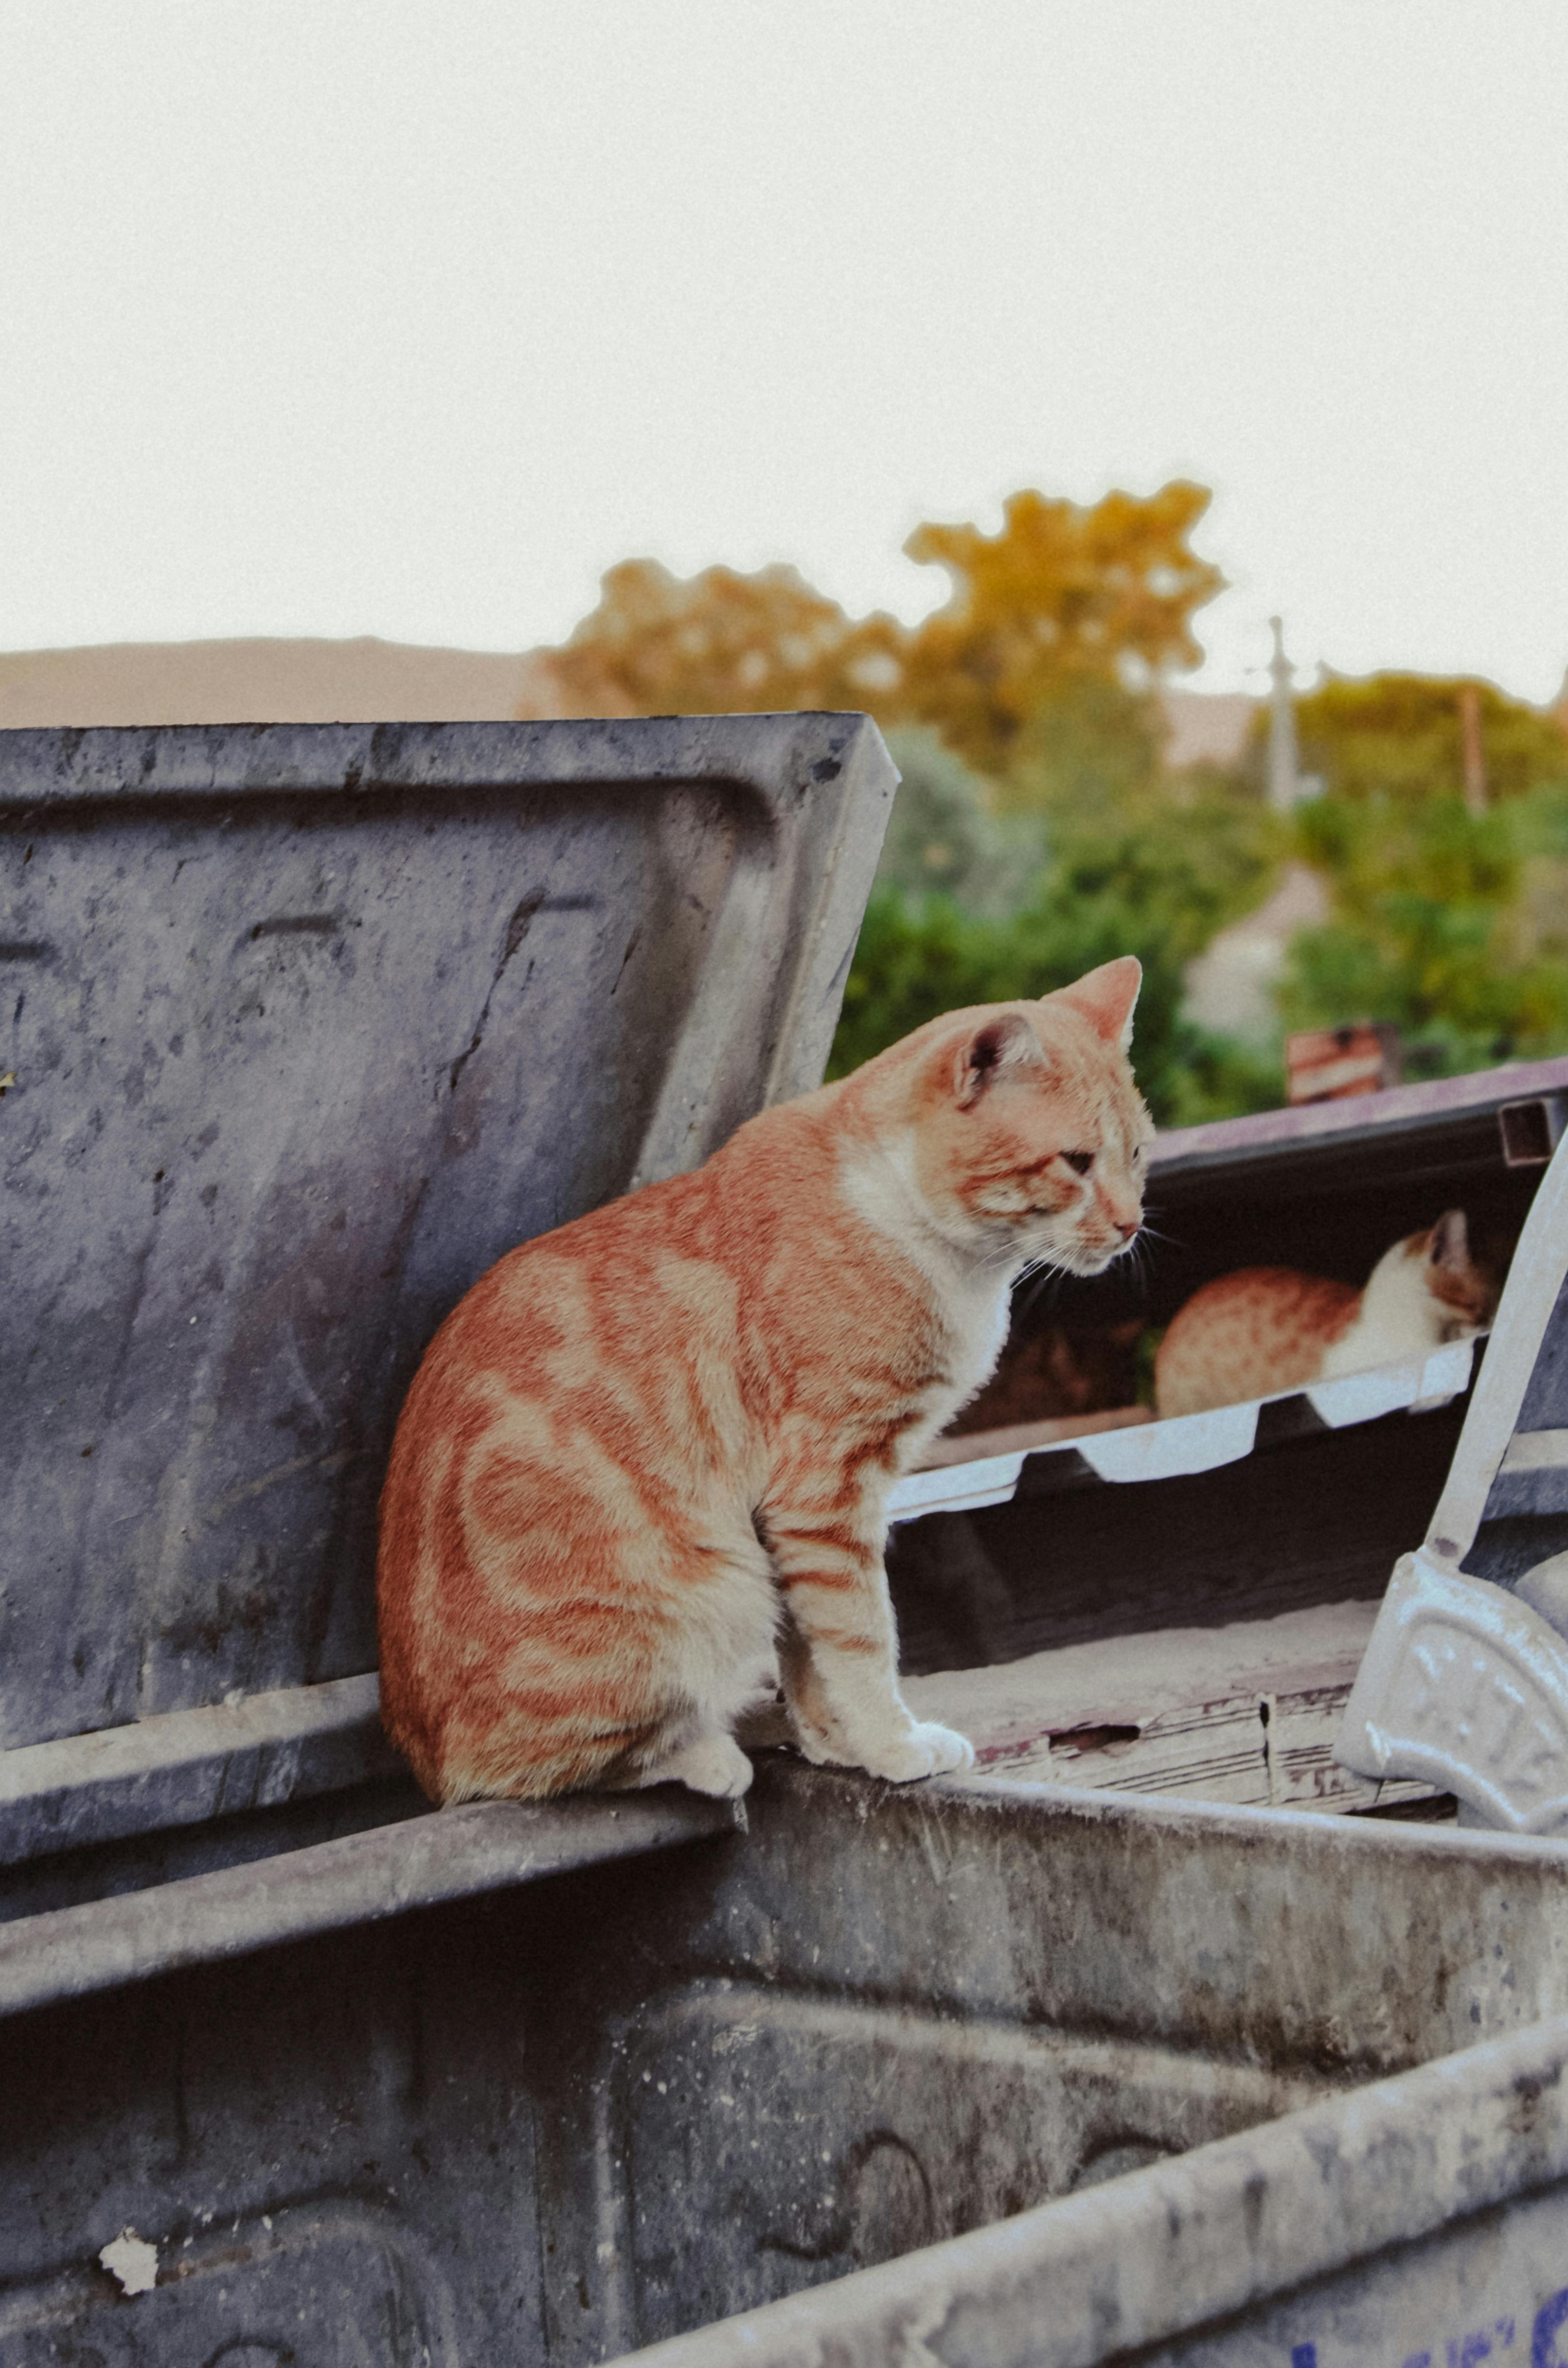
(713, 1764)
(948, 1748)
(903, 1757)
(926, 1750)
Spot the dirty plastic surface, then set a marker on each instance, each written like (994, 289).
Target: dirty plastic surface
(960, 2073)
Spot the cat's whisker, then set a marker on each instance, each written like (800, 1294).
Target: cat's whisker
(1149, 1226)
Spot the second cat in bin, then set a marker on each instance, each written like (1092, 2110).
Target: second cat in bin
(1270, 1328)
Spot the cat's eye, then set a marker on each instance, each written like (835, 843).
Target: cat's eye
(1080, 1162)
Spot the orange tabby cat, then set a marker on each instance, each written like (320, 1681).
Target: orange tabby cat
(644, 1464)
(1267, 1328)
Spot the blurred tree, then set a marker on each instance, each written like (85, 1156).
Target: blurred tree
(1445, 865)
(1064, 594)
(1402, 737)
(723, 643)
(1153, 876)
(1064, 597)
(1034, 834)
(1091, 743)
(1434, 927)
(944, 835)
(914, 962)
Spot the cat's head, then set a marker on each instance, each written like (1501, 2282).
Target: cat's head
(1464, 1286)
(1020, 1126)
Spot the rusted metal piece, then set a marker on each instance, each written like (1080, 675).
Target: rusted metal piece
(1448, 1122)
(1532, 1129)
(1331, 1065)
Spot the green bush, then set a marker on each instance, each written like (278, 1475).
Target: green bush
(1120, 861)
(1449, 923)
(943, 834)
(914, 963)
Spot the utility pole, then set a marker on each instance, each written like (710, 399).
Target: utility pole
(1284, 788)
(1471, 749)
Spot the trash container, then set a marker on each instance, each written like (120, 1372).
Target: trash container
(306, 1027)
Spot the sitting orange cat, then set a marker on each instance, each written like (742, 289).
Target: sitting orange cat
(1268, 1328)
(646, 1460)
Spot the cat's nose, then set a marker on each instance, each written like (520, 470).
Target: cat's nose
(1126, 1227)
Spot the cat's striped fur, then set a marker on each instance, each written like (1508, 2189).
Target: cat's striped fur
(642, 1470)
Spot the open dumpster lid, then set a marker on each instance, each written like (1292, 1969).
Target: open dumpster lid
(305, 1026)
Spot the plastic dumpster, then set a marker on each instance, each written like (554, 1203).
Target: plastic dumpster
(307, 1026)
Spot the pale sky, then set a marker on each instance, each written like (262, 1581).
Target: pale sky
(409, 319)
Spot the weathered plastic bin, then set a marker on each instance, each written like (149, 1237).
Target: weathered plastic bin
(747, 2074)
(962, 2072)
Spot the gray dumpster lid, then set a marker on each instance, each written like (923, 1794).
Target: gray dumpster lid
(305, 1026)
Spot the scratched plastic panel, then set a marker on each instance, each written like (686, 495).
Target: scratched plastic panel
(290, 1072)
(339, 2286)
(839, 2135)
(1486, 2289)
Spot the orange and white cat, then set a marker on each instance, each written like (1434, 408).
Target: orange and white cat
(1268, 1328)
(643, 1468)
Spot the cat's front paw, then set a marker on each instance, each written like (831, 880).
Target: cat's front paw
(922, 1751)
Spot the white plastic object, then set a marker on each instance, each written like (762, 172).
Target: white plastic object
(1422, 1383)
(1190, 1442)
(1464, 1683)
(1182, 1443)
(957, 1487)
(1465, 1686)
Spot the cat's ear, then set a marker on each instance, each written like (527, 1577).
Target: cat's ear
(1448, 1243)
(1107, 999)
(1002, 1047)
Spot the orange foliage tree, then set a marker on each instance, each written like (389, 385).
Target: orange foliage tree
(723, 643)
(1063, 593)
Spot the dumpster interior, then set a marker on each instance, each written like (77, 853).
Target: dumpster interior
(625, 2101)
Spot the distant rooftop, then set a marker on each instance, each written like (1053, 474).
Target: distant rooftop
(1206, 727)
